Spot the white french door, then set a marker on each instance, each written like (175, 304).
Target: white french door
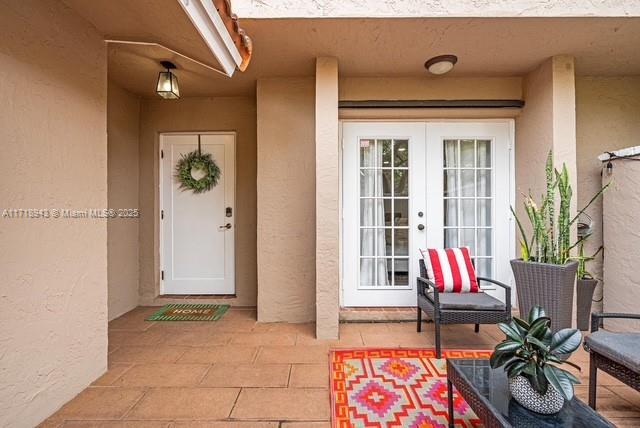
(197, 230)
(409, 185)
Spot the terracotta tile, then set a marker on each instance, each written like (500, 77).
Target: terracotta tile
(309, 376)
(346, 340)
(185, 403)
(282, 404)
(50, 423)
(121, 337)
(147, 354)
(293, 355)
(100, 403)
(627, 393)
(402, 327)
(197, 337)
(365, 327)
(163, 374)
(398, 340)
(240, 313)
(116, 424)
(134, 320)
(258, 339)
(625, 422)
(239, 325)
(306, 424)
(608, 403)
(114, 372)
(226, 424)
(247, 375)
(350, 338)
(219, 354)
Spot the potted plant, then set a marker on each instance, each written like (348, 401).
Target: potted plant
(586, 285)
(545, 274)
(530, 355)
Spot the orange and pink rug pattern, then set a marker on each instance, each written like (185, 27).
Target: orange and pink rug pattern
(395, 388)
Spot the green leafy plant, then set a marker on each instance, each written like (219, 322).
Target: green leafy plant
(582, 260)
(550, 238)
(531, 350)
(198, 161)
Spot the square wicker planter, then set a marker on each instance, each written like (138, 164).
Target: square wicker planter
(546, 285)
(584, 297)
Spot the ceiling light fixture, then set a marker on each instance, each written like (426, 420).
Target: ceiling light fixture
(441, 64)
(167, 86)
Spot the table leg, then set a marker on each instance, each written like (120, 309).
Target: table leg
(450, 402)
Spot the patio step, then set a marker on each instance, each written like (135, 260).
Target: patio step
(377, 314)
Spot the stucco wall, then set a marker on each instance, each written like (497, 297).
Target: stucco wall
(622, 240)
(418, 8)
(53, 322)
(327, 152)
(123, 116)
(534, 134)
(438, 88)
(199, 114)
(547, 122)
(608, 118)
(286, 200)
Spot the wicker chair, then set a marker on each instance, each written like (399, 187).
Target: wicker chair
(614, 353)
(460, 308)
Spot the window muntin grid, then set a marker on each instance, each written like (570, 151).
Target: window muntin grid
(468, 199)
(384, 213)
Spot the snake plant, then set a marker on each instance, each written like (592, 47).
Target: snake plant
(550, 238)
(582, 260)
(531, 350)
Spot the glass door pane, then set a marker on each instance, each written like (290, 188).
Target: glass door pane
(384, 212)
(468, 199)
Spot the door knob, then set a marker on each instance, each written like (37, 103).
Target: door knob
(225, 227)
(421, 227)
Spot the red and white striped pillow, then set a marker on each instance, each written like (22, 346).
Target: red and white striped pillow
(451, 269)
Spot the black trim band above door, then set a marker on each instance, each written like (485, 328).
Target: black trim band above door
(432, 104)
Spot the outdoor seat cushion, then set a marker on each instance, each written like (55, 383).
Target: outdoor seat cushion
(619, 347)
(468, 301)
(451, 269)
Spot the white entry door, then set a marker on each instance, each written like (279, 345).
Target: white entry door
(409, 185)
(197, 230)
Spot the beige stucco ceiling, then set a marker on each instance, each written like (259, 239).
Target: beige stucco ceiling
(158, 21)
(397, 47)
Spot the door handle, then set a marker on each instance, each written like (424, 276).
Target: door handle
(421, 226)
(225, 227)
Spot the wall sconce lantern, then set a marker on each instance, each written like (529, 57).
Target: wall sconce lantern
(167, 86)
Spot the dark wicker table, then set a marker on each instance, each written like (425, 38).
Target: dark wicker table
(487, 392)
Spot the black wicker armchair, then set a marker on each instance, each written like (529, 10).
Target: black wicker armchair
(613, 353)
(460, 308)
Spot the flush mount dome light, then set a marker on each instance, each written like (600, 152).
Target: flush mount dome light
(167, 86)
(441, 64)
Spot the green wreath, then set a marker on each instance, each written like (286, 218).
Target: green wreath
(194, 162)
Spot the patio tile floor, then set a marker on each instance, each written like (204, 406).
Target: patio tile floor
(237, 373)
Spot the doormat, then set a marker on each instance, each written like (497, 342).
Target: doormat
(395, 387)
(189, 312)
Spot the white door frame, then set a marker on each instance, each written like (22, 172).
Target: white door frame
(511, 188)
(230, 263)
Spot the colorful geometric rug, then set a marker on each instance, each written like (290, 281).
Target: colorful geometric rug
(395, 388)
(189, 312)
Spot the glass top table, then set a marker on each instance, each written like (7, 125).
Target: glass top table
(487, 392)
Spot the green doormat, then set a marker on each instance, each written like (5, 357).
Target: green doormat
(187, 312)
